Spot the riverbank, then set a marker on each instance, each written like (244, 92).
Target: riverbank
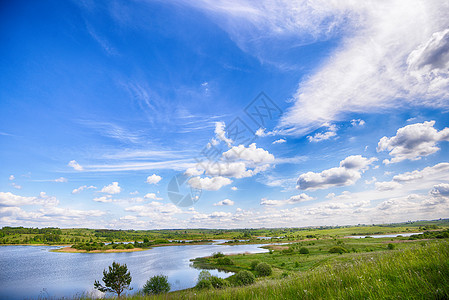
(73, 250)
(417, 272)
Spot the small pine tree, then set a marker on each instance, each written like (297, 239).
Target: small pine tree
(116, 280)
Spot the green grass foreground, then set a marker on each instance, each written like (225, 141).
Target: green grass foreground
(417, 272)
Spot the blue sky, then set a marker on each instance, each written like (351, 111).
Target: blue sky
(102, 103)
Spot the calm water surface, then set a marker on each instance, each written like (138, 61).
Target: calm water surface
(29, 272)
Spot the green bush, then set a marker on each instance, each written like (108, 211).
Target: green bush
(156, 285)
(218, 255)
(203, 284)
(263, 269)
(253, 264)
(304, 250)
(244, 278)
(204, 275)
(218, 282)
(338, 249)
(226, 261)
(390, 246)
(129, 246)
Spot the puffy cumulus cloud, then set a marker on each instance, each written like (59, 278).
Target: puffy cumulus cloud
(234, 188)
(153, 179)
(152, 196)
(209, 183)
(347, 174)
(440, 190)
(279, 141)
(225, 202)
(11, 177)
(250, 154)
(193, 172)
(323, 136)
(112, 188)
(82, 188)
(292, 200)
(413, 142)
(357, 162)
(229, 169)
(10, 199)
(76, 166)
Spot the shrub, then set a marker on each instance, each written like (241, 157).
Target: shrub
(253, 264)
(156, 285)
(304, 250)
(244, 278)
(203, 284)
(390, 246)
(218, 282)
(226, 261)
(129, 246)
(204, 275)
(263, 269)
(287, 251)
(338, 249)
(218, 255)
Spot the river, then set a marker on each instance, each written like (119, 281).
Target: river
(30, 272)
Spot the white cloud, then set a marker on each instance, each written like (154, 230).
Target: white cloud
(390, 57)
(225, 202)
(60, 179)
(347, 174)
(82, 188)
(10, 199)
(220, 134)
(11, 177)
(153, 179)
(76, 166)
(279, 141)
(113, 188)
(373, 179)
(357, 122)
(134, 193)
(250, 154)
(229, 169)
(322, 136)
(292, 200)
(208, 183)
(413, 142)
(194, 172)
(234, 188)
(387, 185)
(16, 186)
(441, 189)
(152, 196)
(104, 199)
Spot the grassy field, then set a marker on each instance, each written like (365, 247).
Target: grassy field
(53, 236)
(414, 270)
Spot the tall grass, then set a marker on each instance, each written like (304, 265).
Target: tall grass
(419, 272)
